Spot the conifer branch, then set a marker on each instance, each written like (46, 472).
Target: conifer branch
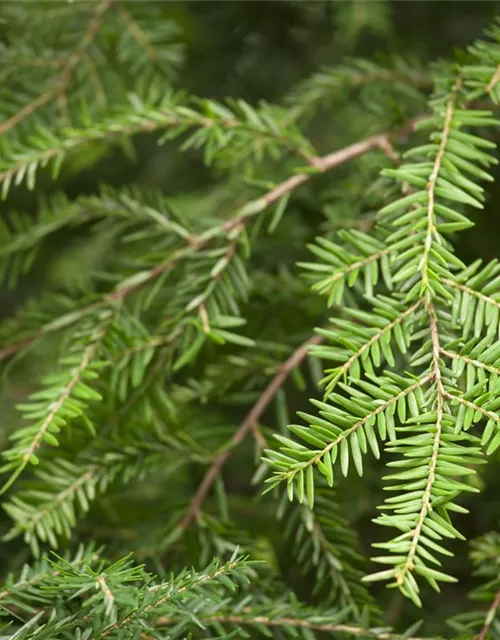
(334, 83)
(472, 361)
(495, 78)
(423, 264)
(387, 329)
(170, 118)
(472, 405)
(321, 537)
(15, 593)
(137, 33)
(56, 406)
(252, 618)
(195, 243)
(252, 418)
(358, 425)
(49, 418)
(108, 594)
(35, 519)
(174, 118)
(472, 292)
(329, 282)
(171, 593)
(431, 476)
(148, 302)
(431, 186)
(67, 73)
(492, 611)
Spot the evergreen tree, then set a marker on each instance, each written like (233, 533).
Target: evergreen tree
(162, 329)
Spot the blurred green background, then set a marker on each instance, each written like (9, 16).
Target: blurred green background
(259, 50)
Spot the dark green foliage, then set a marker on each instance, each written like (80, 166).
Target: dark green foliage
(181, 270)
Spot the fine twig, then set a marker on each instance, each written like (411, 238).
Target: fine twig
(436, 378)
(494, 80)
(116, 626)
(250, 618)
(241, 218)
(57, 92)
(248, 424)
(490, 616)
(431, 234)
(475, 363)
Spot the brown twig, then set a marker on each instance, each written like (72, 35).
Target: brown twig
(255, 619)
(494, 80)
(241, 218)
(12, 349)
(57, 92)
(390, 152)
(328, 162)
(490, 616)
(41, 63)
(247, 425)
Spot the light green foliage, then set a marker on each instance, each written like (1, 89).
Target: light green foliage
(122, 599)
(426, 414)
